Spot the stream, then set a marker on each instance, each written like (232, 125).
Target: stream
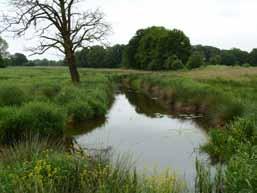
(138, 126)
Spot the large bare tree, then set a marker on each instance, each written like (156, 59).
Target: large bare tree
(60, 24)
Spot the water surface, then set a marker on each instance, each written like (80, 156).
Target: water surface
(139, 126)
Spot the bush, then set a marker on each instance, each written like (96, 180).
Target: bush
(84, 104)
(224, 144)
(195, 61)
(79, 111)
(11, 95)
(241, 172)
(34, 118)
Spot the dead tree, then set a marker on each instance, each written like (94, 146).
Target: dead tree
(59, 24)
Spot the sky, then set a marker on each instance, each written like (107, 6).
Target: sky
(222, 23)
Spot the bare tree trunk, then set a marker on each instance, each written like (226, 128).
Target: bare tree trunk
(71, 62)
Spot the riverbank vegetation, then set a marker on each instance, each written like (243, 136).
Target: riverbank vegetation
(42, 102)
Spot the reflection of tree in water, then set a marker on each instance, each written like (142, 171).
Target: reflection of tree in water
(145, 105)
(86, 126)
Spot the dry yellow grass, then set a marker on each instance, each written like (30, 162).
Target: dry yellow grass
(222, 72)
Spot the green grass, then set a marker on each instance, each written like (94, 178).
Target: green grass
(44, 102)
(36, 166)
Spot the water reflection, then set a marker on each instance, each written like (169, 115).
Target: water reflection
(145, 105)
(137, 125)
(85, 127)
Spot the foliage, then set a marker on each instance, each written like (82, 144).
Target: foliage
(2, 62)
(195, 61)
(3, 47)
(173, 63)
(11, 95)
(34, 118)
(37, 166)
(224, 144)
(19, 59)
(100, 57)
(253, 57)
(151, 47)
(40, 101)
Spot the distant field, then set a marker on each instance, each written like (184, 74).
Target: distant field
(209, 72)
(223, 72)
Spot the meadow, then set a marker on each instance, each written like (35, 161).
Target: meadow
(42, 103)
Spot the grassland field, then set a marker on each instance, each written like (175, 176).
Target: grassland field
(42, 103)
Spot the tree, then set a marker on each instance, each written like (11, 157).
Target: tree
(195, 61)
(3, 47)
(150, 48)
(173, 63)
(253, 57)
(2, 64)
(59, 25)
(19, 59)
(208, 52)
(228, 58)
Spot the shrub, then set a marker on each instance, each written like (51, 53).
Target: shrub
(79, 111)
(34, 118)
(195, 61)
(224, 144)
(241, 172)
(84, 104)
(11, 95)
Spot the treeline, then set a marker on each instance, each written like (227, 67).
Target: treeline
(154, 48)
(100, 57)
(157, 48)
(212, 55)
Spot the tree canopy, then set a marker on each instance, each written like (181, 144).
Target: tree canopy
(100, 57)
(151, 47)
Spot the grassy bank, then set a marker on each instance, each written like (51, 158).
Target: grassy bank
(184, 95)
(39, 167)
(44, 101)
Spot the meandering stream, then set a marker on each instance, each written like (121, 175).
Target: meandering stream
(137, 125)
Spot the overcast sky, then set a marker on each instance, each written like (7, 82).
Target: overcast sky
(221, 23)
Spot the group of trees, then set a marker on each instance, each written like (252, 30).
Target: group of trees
(100, 57)
(157, 48)
(215, 56)
(154, 48)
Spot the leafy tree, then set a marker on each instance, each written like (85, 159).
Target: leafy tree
(150, 48)
(113, 56)
(19, 59)
(228, 58)
(215, 60)
(208, 52)
(242, 57)
(100, 57)
(196, 60)
(173, 63)
(253, 57)
(2, 63)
